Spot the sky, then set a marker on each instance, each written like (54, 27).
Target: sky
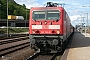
(78, 10)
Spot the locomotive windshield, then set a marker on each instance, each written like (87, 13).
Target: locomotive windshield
(38, 15)
(46, 15)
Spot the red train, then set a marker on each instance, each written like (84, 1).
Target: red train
(49, 28)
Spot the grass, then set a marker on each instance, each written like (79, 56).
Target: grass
(13, 30)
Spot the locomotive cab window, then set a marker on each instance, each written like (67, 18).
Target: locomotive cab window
(53, 15)
(38, 15)
(46, 15)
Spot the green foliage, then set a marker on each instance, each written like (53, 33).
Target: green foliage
(13, 30)
(18, 30)
(13, 9)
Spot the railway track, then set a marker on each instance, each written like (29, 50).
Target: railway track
(39, 56)
(17, 48)
(4, 36)
(8, 47)
(56, 56)
(44, 57)
(10, 40)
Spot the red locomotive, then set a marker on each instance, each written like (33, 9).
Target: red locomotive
(49, 28)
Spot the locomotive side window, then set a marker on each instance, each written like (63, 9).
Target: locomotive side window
(38, 15)
(53, 15)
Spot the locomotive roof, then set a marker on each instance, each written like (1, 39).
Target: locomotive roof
(47, 8)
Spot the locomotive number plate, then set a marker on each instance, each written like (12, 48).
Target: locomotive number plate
(45, 27)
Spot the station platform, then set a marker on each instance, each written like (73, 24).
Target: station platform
(79, 48)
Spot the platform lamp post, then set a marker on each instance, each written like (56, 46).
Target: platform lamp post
(7, 19)
(82, 24)
(87, 16)
(86, 22)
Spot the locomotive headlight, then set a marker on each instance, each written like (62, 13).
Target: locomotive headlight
(57, 32)
(33, 32)
(55, 42)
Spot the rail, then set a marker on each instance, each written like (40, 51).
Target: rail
(11, 45)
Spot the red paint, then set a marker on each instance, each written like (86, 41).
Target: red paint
(45, 23)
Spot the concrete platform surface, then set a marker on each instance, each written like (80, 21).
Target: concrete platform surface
(79, 48)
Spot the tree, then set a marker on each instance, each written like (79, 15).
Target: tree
(13, 9)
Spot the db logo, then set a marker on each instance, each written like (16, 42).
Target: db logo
(45, 26)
